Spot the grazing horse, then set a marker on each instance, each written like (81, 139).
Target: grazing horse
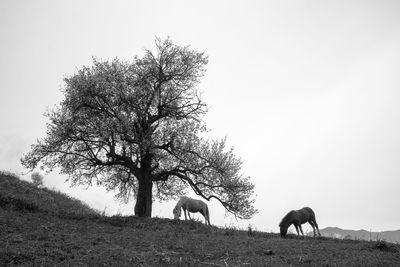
(297, 218)
(191, 205)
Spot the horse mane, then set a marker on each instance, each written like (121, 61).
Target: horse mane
(179, 203)
(286, 220)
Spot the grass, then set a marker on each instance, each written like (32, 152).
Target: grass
(24, 196)
(35, 232)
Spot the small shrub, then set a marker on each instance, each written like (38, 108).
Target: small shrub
(250, 231)
(348, 237)
(37, 179)
(382, 245)
(229, 231)
(103, 213)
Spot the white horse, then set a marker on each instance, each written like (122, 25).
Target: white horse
(191, 205)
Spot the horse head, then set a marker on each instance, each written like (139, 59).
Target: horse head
(177, 212)
(283, 231)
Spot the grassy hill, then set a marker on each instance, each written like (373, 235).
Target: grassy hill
(44, 227)
(21, 195)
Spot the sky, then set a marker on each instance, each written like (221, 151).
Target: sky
(307, 93)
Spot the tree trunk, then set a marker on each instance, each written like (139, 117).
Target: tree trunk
(144, 197)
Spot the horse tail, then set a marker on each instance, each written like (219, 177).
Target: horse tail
(313, 219)
(312, 215)
(313, 222)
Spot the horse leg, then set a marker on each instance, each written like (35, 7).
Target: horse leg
(207, 216)
(316, 226)
(184, 211)
(204, 215)
(297, 229)
(301, 230)
(312, 225)
(189, 215)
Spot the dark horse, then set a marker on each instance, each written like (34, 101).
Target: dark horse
(297, 218)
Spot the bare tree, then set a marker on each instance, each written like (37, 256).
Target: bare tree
(136, 127)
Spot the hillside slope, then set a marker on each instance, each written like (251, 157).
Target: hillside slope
(24, 196)
(37, 236)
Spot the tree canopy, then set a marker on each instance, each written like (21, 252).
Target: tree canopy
(136, 127)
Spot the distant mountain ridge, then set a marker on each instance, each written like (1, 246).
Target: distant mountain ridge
(389, 236)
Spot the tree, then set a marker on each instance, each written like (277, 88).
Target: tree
(37, 179)
(136, 127)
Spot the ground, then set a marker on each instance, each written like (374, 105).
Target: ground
(33, 235)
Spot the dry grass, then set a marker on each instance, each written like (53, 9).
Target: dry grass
(35, 236)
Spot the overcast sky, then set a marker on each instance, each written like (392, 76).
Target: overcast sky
(307, 92)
